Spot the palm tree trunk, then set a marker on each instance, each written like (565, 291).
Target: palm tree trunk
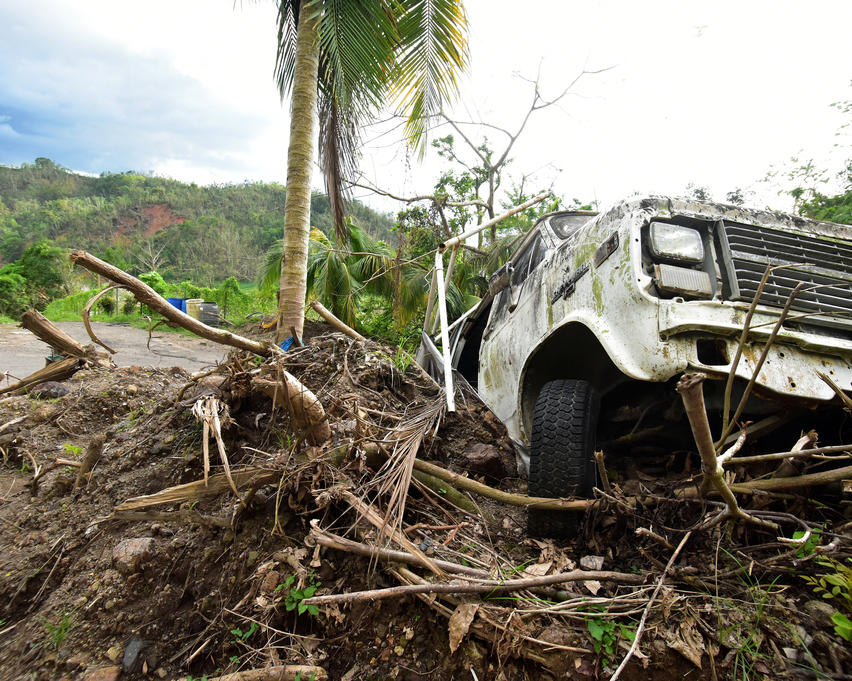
(300, 159)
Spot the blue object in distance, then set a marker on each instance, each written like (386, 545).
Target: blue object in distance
(285, 344)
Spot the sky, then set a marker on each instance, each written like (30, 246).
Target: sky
(715, 94)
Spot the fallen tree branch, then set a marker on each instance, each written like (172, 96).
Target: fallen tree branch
(334, 322)
(56, 371)
(691, 391)
(45, 330)
(334, 541)
(485, 587)
(375, 518)
(543, 503)
(148, 296)
(302, 404)
(284, 672)
(85, 315)
(247, 477)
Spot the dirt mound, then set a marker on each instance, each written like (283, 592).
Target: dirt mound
(136, 569)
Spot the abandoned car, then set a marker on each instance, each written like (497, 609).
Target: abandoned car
(606, 311)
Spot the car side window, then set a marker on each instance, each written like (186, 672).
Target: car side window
(527, 261)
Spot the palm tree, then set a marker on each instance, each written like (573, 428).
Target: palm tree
(339, 272)
(339, 60)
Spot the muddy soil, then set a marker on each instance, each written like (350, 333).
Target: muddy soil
(207, 585)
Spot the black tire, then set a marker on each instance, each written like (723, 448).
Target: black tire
(562, 462)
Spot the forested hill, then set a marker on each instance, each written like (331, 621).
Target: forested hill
(143, 223)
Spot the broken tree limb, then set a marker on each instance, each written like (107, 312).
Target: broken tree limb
(543, 503)
(490, 586)
(302, 404)
(148, 296)
(334, 322)
(284, 672)
(56, 371)
(93, 453)
(85, 315)
(40, 326)
(368, 512)
(334, 541)
(308, 412)
(216, 484)
(691, 391)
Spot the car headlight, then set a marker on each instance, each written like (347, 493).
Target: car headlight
(674, 242)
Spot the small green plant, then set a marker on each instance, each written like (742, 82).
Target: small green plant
(835, 585)
(244, 635)
(402, 360)
(294, 598)
(235, 659)
(807, 548)
(72, 450)
(605, 633)
(59, 632)
(25, 467)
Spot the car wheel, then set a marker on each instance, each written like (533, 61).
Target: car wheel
(562, 460)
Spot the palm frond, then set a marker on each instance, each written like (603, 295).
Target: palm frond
(285, 56)
(269, 276)
(433, 50)
(356, 45)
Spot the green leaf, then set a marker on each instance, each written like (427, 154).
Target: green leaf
(596, 630)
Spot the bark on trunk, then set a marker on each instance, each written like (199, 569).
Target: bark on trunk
(300, 158)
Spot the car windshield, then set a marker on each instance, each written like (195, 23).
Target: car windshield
(566, 224)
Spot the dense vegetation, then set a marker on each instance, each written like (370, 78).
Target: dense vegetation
(143, 223)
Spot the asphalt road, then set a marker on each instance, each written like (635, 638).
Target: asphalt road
(21, 353)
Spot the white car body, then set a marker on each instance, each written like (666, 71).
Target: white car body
(593, 306)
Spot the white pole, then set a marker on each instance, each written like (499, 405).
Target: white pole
(445, 336)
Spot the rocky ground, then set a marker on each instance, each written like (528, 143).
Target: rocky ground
(118, 572)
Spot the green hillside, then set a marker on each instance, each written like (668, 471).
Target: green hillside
(143, 223)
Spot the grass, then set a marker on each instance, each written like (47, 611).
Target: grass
(59, 632)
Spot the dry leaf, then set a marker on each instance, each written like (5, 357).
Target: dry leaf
(593, 585)
(460, 622)
(539, 569)
(687, 641)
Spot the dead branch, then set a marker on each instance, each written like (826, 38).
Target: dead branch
(760, 361)
(599, 460)
(148, 296)
(641, 627)
(55, 371)
(844, 398)
(368, 512)
(543, 503)
(302, 404)
(45, 330)
(206, 410)
(246, 477)
(286, 672)
(334, 322)
(690, 389)
(85, 315)
(802, 453)
(185, 516)
(485, 587)
(333, 541)
(93, 453)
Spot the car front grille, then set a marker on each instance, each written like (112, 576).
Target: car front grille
(824, 267)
